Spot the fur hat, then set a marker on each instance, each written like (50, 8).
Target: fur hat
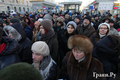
(88, 18)
(1, 33)
(41, 48)
(81, 42)
(48, 16)
(20, 71)
(72, 23)
(47, 24)
(60, 19)
(104, 24)
(15, 20)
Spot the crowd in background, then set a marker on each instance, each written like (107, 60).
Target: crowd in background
(61, 45)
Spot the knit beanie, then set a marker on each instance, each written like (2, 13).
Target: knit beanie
(88, 17)
(20, 71)
(48, 16)
(1, 33)
(72, 23)
(104, 24)
(47, 24)
(41, 48)
(14, 20)
(78, 17)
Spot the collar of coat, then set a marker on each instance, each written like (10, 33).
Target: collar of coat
(84, 65)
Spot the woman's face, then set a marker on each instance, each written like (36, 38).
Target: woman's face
(42, 30)
(10, 35)
(58, 23)
(103, 29)
(70, 29)
(26, 20)
(36, 57)
(78, 54)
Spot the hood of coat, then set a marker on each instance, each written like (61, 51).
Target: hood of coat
(16, 30)
(11, 46)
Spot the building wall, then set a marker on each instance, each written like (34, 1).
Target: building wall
(6, 5)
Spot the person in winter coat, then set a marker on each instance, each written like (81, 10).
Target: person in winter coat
(8, 51)
(28, 21)
(112, 31)
(85, 29)
(16, 31)
(79, 64)
(43, 62)
(14, 20)
(1, 25)
(27, 29)
(107, 51)
(36, 30)
(59, 25)
(48, 35)
(63, 39)
(78, 20)
(103, 30)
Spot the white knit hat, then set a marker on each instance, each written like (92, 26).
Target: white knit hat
(104, 24)
(41, 48)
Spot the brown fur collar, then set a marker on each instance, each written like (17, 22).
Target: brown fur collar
(83, 64)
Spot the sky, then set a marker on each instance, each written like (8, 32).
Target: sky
(84, 2)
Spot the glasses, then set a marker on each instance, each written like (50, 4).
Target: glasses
(59, 21)
(104, 28)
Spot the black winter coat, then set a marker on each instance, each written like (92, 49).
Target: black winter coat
(10, 54)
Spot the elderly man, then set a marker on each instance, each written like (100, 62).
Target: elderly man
(86, 29)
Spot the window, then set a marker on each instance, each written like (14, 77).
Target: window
(15, 9)
(27, 3)
(28, 9)
(17, 1)
(24, 9)
(20, 9)
(13, 1)
(22, 1)
(2, 0)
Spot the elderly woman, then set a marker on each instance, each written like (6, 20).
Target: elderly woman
(79, 64)
(103, 30)
(43, 61)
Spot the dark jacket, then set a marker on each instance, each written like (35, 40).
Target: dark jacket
(52, 42)
(25, 44)
(63, 41)
(28, 32)
(10, 54)
(73, 70)
(88, 31)
(108, 57)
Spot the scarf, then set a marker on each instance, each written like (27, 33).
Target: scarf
(48, 38)
(101, 36)
(81, 59)
(2, 47)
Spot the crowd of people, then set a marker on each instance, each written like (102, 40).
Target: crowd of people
(59, 46)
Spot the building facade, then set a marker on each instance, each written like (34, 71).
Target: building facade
(43, 5)
(15, 5)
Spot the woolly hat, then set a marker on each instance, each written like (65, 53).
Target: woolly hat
(41, 48)
(104, 24)
(48, 16)
(72, 23)
(88, 17)
(1, 33)
(111, 21)
(47, 24)
(20, 71)
(78, 17)
(81, 42)
(14, 20)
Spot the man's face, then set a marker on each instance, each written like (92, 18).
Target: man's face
(86, 22)
(96, 18)
(77, 20)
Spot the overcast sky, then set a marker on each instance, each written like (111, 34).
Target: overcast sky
(84, 2)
